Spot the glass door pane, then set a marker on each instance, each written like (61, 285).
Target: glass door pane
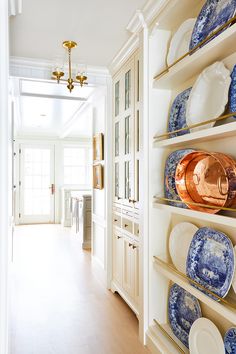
(127, 180)
(117, 98)
(127, 89)
(127, 135)
(37, 196)
(117, 137)
(117, 180)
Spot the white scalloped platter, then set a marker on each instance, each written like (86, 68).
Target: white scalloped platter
(209, 95)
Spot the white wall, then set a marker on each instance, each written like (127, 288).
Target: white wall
(5, 177)
(101, 211)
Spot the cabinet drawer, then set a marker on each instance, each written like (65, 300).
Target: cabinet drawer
(136, 229)
(117, 220)
(127, 225)
(128, 212)
(116, 209)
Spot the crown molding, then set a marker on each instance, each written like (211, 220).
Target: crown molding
(140, 20)
(130, 46)
(152, 9)
(42, 69)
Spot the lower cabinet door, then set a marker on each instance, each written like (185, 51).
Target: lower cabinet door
(135, 263)
(118, 258)
(128, 278)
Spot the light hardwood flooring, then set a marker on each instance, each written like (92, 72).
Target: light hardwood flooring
(58, 305)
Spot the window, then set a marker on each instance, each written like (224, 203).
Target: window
(78, 165)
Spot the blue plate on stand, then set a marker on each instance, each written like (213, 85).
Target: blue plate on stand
(213, 14)
(177, 119)
(183, 310)
(170, 190)
(210, 261)
(232, 92)
(230, 341)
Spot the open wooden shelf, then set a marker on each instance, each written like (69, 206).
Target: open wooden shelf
(214, 218)
(222, 309)
(220, 132)
(217, 49)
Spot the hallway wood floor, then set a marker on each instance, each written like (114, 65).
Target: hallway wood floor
(58, 305)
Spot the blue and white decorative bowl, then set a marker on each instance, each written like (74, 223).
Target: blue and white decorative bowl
(232, 92)
(210, 261)
(177, 118)
(183, 310)
(230, 341)
(212, 16)
(170, 190)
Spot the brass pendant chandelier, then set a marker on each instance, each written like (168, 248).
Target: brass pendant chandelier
(57, 74)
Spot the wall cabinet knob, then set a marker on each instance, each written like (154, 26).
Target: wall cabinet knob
(115, 220)
(134, 247)
(118, 237)
(130, 244)
(126, 225)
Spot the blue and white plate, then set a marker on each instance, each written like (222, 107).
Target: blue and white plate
(210, 261)
(213, 14)
(230, 341)
(183, 310)
(169, 176)
(177, 119)
(232, 92)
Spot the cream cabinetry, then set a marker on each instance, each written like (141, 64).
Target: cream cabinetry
(163, 217)
(126, 147)
(126, 114)
(126, 268)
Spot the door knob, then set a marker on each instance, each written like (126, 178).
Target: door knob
(52, 187)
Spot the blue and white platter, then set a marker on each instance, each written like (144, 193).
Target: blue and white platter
(177, 118)
(210, 261)
(213, 14)
(232, 92)
(230, 341)
(183, 310)
(172, 161)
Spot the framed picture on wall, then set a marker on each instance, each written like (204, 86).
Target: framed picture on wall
(98, 176)
(98, 150)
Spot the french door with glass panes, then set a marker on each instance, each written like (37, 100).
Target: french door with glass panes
(37, 189)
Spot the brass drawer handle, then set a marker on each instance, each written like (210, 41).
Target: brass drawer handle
(126, 225)
(138, 231)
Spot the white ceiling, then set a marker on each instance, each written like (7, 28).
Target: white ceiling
(99, 27)
(48, 109)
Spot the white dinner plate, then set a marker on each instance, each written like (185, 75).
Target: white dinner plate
(209, 96)
(180, 41)
(179, 242)
(205, 338)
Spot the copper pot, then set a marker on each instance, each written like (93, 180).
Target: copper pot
(206, 178)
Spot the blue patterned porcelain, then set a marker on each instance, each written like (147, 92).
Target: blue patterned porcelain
(210, 261)
(230, 341)
(183, 310)
(177, 119)
(213, 14)
(172, 161)
(232, 92)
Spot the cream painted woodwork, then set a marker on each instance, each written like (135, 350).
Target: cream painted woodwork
(162, 217)
(127, 138)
